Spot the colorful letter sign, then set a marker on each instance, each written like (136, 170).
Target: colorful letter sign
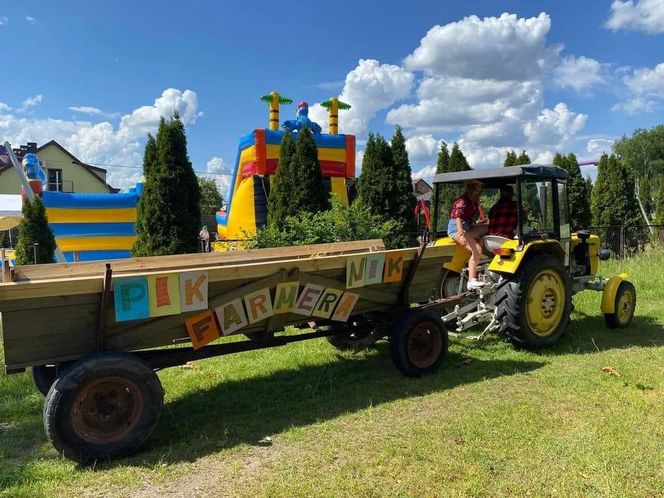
(373, 273)
(259, 305)
(131, 298)
(355, 271)
(327, 302)
(345, 307)
(285, 297)
(308, 299)
(393, 267)
(164, 295)
(202, 329)
(231, 316)
(194, 291)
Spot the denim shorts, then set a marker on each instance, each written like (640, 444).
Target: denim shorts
(452, 227)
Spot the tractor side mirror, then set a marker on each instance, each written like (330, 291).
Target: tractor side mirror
(604, 254)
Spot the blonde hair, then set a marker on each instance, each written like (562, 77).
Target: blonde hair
(469, 189)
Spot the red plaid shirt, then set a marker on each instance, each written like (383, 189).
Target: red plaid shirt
(503, 218)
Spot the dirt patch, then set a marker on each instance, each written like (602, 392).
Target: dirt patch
(212, 475)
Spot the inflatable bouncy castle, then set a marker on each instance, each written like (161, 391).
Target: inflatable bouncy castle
(258, 160)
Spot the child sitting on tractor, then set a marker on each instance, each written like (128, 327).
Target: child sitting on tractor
(465, 231)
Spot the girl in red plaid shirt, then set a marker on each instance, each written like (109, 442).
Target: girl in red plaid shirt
(464, 230)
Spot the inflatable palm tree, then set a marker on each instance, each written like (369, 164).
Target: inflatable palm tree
(274, 100)
(333, 106)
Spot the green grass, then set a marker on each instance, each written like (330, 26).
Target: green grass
(495, 421)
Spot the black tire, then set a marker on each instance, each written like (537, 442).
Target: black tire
(44, 376)
(418, 343)
(104, 406)
(512, 299)
(625, 304)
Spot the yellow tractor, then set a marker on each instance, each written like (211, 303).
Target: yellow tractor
(529, 278)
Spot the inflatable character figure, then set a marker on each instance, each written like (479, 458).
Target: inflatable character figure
(301, 120)
(34, 172)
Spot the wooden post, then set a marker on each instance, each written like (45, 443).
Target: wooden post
(4, 261)
(103, 308)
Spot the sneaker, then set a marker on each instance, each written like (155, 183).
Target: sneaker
(475, 284)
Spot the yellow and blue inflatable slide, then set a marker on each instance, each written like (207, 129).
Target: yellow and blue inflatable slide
(92, 227)
(256, 164)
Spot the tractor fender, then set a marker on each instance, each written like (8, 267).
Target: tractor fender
(511, 263)
(460, 257)
(609, 293)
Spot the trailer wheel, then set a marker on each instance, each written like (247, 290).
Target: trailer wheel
(533, 306)
(45, 375)
(104, 406)
(624, 307)
(419, 343)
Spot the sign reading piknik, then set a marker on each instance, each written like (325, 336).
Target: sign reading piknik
(138, 298)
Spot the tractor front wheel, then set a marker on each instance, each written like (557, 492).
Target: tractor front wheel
(624, 307)
(533, 306)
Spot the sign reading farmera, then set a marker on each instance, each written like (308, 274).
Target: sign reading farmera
(170, 294)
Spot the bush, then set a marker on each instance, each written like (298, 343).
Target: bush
(33, 230)
(339, 224)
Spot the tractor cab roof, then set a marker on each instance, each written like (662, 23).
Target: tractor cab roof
(494, 177)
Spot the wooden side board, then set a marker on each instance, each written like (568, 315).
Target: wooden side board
(191, 261)
(45, 328)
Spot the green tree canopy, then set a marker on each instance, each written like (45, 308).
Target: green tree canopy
(577, 192)
(405, 200)
(659, 206)
(33, 230)
(211, 199)
(4, 239)
(614, 201)
(522, 159)
(308, 192)
(510, 159)
(169, 216)
(279, 205)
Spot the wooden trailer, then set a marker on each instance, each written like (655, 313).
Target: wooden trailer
(94, 333)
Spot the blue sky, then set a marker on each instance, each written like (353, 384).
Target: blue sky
(544, 76)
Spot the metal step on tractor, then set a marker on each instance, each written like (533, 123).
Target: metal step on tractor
(530, 277)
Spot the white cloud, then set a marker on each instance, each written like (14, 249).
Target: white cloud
(553, 126)
(93, 111)
(578, 73)
(215, 166)
(31, 102)
(646, 87)
(145, 118)
(503, 48)
(647, 81)
(599, 146)
(425, 172)
(483, 80)
(3, 20)
(640, 15)
(4, 107)
(637, 105)
(103, 143)
(422, 147)
(368, 88)
(30, 19)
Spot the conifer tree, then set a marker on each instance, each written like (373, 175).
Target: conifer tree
(458, 161)
(308, 193)
(522, 159)
(614, 201)
(510, 159)
(211, 199)
(402, 194)
(169, 217)
(442, 166)
(577, 192)
(33, 230)
(279, 205)
(4, 239)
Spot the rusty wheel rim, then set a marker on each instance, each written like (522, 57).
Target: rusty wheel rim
(106, 410)
(424, 345)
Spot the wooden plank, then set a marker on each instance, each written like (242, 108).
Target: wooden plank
(191, 261)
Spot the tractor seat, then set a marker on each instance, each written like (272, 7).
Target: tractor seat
(492, 242)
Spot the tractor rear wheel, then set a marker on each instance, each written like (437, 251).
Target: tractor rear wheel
(533, 306)
(624, 307)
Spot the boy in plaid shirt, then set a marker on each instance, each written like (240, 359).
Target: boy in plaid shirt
(503, 216)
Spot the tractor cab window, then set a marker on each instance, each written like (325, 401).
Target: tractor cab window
(537, 205)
